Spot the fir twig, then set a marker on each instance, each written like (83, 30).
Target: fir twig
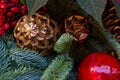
(27, 58)
(11, 55)
(105, 36)
(30, 75)
(59, 68)
(64, 43)
(5, 37)
(11, 75)
(112, 42)
(4, 59)
(23, 57)
(72, 76)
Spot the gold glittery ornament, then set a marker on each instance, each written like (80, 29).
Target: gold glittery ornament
(78, 27)
(38, 32)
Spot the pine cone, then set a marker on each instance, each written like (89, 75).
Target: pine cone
(78, 26)
(111, 21)
(38, 32)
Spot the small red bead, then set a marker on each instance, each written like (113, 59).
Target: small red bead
(24, 7)
(1, 23)
(23, 12)
(15, 1)
(15, 9)
(1, 31)
(13, 23)
(118, 1)
(3, 11)
(3, 5)
(44, 8)
(10, 4)
(6, 26)
(10, 14)
(2, 17)
(3, 1)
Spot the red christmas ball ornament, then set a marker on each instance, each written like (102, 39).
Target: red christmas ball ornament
(99, 66)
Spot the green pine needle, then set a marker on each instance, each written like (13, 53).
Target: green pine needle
(27, 58)
(11, 75)
(112, 42)
(18, 57)
(64, 43)
(72, 76)
(106, 37)
(5, 37)
(59, 68)
(34, 74)
(4, 59)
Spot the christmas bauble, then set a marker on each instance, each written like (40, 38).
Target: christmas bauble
(99, 66)
(38, 32)
(78, 26)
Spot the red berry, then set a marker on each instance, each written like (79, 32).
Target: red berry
(118, 1)
(23, 12)
(44, 8)
(6, 26)
(13, 23)
(2, 11)
(1, 31)
(1, 23)
(3, 1)
(10, 14)
(3, 5)
(10, 4)
(99, 66)
(15, 1)
(24, 7)
(15, 9)
(2, 17)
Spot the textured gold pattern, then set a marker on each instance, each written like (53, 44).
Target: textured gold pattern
(78, 27)
(36, 32)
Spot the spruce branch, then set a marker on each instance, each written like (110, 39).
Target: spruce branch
(27, 58)
(59, 68)
(10, 44)
(5, 37)
(105, 36)
(64, 43)
(72, 76)
(4, 59)
(30, 75)
(12, 74)
(112, 42)
(8, 40)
